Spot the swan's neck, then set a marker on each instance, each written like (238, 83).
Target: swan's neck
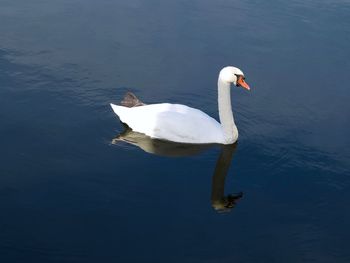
(225, 112)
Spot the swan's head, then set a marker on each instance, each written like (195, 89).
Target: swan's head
(234, 75)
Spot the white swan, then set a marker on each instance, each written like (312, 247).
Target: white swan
(180, 123)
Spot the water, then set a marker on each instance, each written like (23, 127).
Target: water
(70, 193)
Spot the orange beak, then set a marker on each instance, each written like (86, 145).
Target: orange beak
(243, 84)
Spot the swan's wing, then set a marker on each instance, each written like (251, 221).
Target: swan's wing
(173, 122)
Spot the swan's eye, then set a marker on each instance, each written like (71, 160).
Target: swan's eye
(240, 79)
(241, 82)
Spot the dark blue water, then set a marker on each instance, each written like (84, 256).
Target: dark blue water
(69, 193)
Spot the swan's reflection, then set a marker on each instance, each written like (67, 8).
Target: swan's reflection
(220, 202)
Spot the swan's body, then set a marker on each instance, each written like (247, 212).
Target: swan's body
(180, 123)
(162, 121)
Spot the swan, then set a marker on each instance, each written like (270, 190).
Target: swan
(183, 124)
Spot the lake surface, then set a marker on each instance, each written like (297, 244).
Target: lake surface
(69, 192)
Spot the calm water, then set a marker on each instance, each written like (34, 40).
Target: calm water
(70, 193)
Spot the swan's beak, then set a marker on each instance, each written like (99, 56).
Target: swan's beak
(241, 82)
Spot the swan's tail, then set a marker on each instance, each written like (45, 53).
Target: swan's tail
(130, 100)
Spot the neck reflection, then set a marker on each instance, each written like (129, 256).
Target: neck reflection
(219, 201)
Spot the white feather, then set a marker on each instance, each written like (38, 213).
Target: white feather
(172, 122)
